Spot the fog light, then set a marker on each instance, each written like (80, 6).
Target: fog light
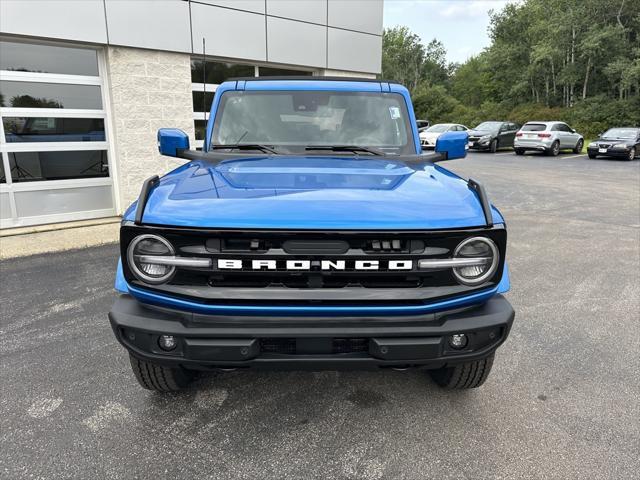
(167, 342)
(458, 341)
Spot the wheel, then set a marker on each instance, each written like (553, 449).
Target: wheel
(632, 153)
(464, 375)
(158, 377)
(519, 151)
(493, 146)
(579, 145)
(554, 150)
(592, 155)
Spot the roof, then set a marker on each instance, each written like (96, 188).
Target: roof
(310, 78)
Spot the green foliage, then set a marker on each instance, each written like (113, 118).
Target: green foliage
(433, 102)
(595, 115)
(406, 60)
(572, 60)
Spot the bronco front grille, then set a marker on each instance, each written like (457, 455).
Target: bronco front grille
(344, 254)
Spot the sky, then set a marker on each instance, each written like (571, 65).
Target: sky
(461, 25)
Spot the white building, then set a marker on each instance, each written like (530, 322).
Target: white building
(84, 85)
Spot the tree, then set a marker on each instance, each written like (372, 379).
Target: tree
(577, 60)
(403, 56)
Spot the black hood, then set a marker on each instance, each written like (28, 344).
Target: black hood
(615, 141)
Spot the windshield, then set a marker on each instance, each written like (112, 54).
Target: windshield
(489, 126)
(438, 128)
(621, 133)
(291, 121)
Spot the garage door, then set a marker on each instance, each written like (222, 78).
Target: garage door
(53, 134)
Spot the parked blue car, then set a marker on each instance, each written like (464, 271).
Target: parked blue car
(311, 232)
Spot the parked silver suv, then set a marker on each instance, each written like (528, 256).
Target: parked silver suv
(548, 137)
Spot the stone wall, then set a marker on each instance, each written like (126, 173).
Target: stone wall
(149, 89)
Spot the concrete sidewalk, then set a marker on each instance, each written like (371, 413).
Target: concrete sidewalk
(25, 241)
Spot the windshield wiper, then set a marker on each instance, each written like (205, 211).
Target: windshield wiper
(345, 148)
(244, 146)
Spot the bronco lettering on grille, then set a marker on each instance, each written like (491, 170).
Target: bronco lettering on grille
(324, 265)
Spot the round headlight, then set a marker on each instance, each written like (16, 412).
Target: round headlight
(139, 252)
(479, 248)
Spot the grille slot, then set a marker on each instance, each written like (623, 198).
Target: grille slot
(349, 345)
(315, 247)
(278, 345)
(288, 346)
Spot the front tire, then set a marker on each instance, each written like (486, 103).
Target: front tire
(592, 155)
(632, 154)
(519, 151)
(464, 375)
(554, 150)
(493, 146)
(158, 377)
(578, 148)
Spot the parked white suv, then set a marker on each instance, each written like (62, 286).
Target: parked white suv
(548, 137)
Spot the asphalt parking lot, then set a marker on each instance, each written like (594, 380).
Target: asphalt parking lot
(563, 400)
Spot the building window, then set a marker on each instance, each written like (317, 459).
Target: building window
(281, 72)
(214, 73)
(53, 134)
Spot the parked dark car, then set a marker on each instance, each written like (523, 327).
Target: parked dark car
(616, 142)
(422, 124)
(493, 135)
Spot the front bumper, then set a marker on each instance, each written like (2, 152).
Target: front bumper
(610, 152)
(479, 145)
(216, 341)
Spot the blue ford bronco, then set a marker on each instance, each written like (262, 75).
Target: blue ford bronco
(311, 232)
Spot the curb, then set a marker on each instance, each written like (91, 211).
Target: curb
(28, 241)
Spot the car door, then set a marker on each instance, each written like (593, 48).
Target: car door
(512, 129)
(574, 136)
(503, 136)
(559, 134)
(568, 139)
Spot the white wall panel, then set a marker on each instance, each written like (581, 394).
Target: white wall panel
(314, 11)
(296, 42)
(160, 26)
(63, 19)
(249, 5)
(229, 33)
(360, 15)
(354, 51)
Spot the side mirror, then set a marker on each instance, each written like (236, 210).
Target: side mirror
(170, 140)
(452, 145)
